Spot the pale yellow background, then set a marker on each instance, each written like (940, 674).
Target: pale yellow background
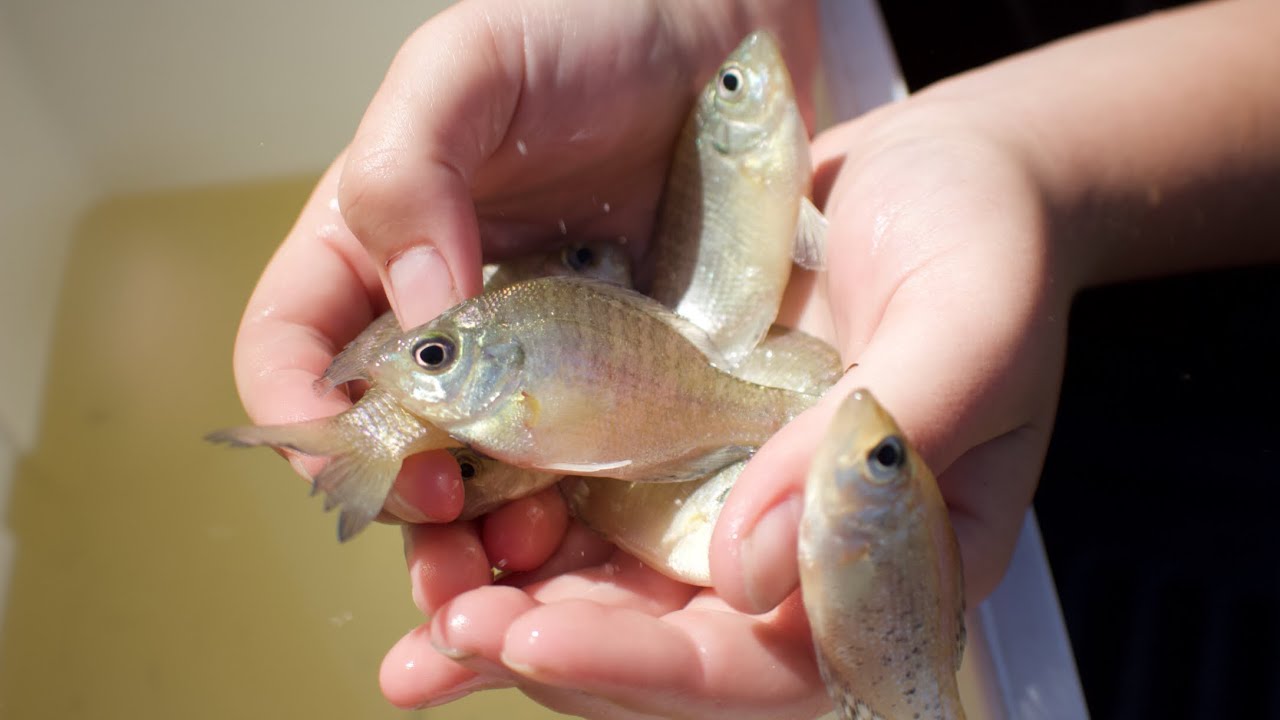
(157, 576)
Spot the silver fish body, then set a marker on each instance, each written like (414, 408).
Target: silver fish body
(668, 526)
(581, 377)
(734, 203)
(880, 572)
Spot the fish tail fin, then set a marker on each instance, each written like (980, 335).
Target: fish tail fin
(354, 479)
(313, 437)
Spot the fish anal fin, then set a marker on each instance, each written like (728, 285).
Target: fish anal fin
(810, 250)
(359, 486)
(701, 467)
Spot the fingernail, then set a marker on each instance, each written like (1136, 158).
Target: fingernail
(768, 555)
(406, 536)
(401, 508)
(440, 632)
(421, 285)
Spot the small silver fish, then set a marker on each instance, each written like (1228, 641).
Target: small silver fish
(668, 526)
(570, 375)
(489, 484)
(880, 572)
(603, 260)
(734, 213)
(368, 442)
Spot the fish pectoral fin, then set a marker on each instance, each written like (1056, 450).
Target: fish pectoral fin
(353, 361)
(810, 250)
(359, 486)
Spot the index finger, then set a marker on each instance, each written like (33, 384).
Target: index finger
(317, 292)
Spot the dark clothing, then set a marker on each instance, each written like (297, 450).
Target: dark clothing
(1161, 490)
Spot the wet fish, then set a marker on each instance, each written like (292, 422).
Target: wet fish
(668, 526)
(880, 572)
(576, 376)
(734, 213)
(489, 484)
(603, 260)
(368, 442)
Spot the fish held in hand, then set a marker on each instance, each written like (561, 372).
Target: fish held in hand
(734, 212)
(581, 377)
(880, 572)
(368, 442)
(489, 484)
(365, 443)
(603, 260)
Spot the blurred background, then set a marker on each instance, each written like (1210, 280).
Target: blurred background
(155, 153)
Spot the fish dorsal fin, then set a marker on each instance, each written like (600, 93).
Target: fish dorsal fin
(679, 323)
(810, 250)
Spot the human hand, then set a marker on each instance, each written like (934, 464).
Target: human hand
(944, 290)
(511, 122)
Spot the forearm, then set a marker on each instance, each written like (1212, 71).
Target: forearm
(1157, 141)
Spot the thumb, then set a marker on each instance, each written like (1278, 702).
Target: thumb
(443, 107)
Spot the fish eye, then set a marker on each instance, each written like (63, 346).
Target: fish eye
(886, 459)
(731, 83)
(468, 463)
(579, 257)
(434, 352)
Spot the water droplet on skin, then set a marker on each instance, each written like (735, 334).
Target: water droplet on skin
(333, 204)
(606, 207)
(459, 622)
(564, 229)
(410, 664)
(501, 564)
(522, 148)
